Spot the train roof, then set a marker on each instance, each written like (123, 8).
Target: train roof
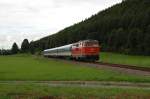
(61, 47)
(89, 40)
(69, 45)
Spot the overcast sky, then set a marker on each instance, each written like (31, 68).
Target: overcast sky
(33, 19)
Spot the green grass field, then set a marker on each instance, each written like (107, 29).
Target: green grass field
(32, 68)
(32, 91)
(143, 61)
(27, 67)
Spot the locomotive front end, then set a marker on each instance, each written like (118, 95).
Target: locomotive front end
(86, 50)
(91, 49)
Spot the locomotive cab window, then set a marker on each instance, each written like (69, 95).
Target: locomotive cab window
(88, 44)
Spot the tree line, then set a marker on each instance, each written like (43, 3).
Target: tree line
(26, 47)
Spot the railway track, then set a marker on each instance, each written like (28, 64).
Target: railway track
(99, 64)
(123, 66)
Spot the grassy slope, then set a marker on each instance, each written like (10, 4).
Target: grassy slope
(125, 59)
(35, 91)
(33, 68)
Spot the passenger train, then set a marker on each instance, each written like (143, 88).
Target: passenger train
(87, 50)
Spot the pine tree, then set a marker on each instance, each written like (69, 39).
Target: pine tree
(32, 49)
(14, 49)
(25, 46)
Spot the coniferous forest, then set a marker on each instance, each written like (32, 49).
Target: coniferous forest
(122, 28)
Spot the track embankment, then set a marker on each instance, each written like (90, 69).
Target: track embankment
(125, 66)
(134, 70)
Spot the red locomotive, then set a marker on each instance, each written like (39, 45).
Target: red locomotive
(82, 50)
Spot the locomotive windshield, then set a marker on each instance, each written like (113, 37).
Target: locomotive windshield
(92, 43)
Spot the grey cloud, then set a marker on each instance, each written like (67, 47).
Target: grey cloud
(76, 2)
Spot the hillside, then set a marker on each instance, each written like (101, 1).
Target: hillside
(123, 28)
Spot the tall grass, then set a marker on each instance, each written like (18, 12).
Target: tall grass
(33, 91)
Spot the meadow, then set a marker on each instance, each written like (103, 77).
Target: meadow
(36, 68)
(32, 68)
(33, 91)
(142, 61)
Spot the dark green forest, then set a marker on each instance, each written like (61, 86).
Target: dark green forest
(122, 28)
